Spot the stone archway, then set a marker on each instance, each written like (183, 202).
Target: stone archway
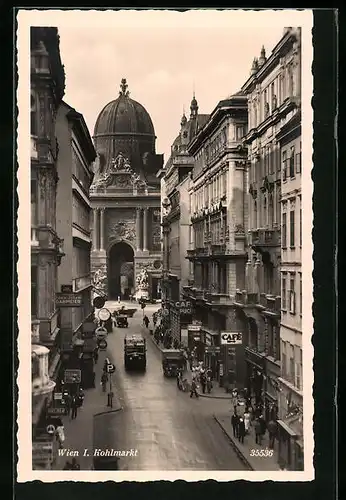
(120, 271)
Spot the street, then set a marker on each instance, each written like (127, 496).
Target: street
(170, 430)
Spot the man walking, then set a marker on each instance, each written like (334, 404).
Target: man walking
(272, 429)
(235, 424)
(241, 430)
(74, 407)
(258, 431)
(194, 388)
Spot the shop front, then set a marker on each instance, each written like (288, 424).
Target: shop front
(271, 390)
(291, 444)
(185, 313)
(232, 355)
(255, 373)
(196, 340)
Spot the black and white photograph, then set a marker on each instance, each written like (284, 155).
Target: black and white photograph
(165, 227)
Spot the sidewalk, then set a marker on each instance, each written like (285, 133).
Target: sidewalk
(247, 450)
(217, 391)
(79, 432)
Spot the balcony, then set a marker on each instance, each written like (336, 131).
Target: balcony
(34, 154)
(244, 298)
(265, 237)
(218, 249)
(202, 252)
(273, 305)
(219, 299)
(80, 283)
(34, 237)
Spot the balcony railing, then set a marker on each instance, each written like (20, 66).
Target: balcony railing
(218, 249)
(219, 298)
(34, 238)
(81, 282)
(265, 237)
(273, 304)
(246, 298)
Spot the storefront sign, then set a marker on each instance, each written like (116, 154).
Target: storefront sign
(68, 300)
(212, 349)
(221, 370)
(194, 328)
(184, 307)
(42, 450)
(102, 343)
(231, 338)
(58, 395)
(72, 376)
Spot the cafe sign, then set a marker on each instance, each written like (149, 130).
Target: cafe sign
(184, 307)
(68, 300)
(231, 338)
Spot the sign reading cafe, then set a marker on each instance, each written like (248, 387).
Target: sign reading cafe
(231, 338)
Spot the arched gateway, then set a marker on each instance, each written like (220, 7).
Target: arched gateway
(120, 271)
(126, 198)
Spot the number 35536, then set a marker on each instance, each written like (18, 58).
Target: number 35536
(261, 453)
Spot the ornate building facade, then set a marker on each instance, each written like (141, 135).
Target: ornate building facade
(217, 237)
(126, 201)
(47, 90)
(76, 156)
(273, 101)
(176, 224)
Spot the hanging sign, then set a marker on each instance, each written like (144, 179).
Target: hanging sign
(231, 338)
(102, 343)
(99, 302)
(104, 314)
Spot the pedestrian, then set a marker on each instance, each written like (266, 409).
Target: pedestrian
(104, 379)
(258, 431)
(118, 299)
(263, 425)
(235, 424)
(247, 421)
(272, 429)
(194, 388)
(241, 430)
(209, 376)
(74, 407)
(67, 401)
(60, 433)
(80, 397)
(93, 380)
(203, 381)
(75, 465)
(146, 321)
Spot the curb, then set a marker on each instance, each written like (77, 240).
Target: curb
(240, 455)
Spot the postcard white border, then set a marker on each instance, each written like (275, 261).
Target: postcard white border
(27, 18)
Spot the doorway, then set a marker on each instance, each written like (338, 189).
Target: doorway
(121, 271)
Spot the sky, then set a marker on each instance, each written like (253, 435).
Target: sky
(164, 56)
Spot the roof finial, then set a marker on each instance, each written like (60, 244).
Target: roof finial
(123, 87)
(262, 58)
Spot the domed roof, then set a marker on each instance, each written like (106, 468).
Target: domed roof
(124, 116)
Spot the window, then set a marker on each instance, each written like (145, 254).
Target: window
(292, 162)
(284, 230)
(33, 202)
(292, 295)
(300, 294)
(300, 224)
(298, 162)
(292, 229)
(284, 160)
(283, 360)
(283, 292)
(292, 367)
(34, 291)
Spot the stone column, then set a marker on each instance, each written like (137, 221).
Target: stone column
(95, 229)
(102, 228)
(138, 228)
(145, 229)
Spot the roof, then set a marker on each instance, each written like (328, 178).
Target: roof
(124, 116)
(82, 131)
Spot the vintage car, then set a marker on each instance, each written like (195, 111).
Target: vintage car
(121, 321)
(172, 360)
